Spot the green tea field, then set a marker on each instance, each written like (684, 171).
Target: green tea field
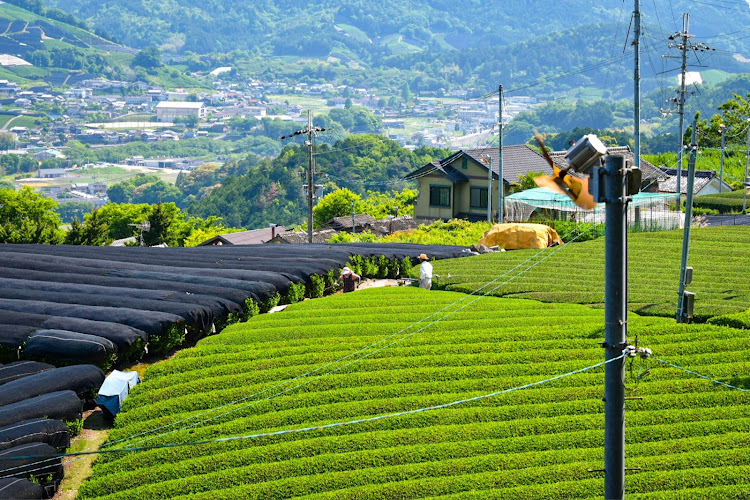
(576, 274)
(364, 396)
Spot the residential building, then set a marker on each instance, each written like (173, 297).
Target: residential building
(457, 186)
(252, 237)
(706, 182)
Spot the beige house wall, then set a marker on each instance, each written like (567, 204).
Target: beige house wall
(460, 193)
(422, 208)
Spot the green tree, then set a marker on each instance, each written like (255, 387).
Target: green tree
(28, 217)
(336, 204)
(148, 58)
(118, 216)
(161, 221)
(7, 141)
(93, 231)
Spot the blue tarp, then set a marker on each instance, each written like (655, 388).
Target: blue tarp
(115, 389)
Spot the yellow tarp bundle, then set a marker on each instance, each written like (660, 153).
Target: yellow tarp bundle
(515, 236)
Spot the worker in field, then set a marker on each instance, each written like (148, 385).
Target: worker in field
(349, 278)
(425, 272)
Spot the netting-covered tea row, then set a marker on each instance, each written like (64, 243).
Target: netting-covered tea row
(37, 404)
(67, 304)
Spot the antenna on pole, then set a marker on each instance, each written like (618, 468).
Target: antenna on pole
(311, 133)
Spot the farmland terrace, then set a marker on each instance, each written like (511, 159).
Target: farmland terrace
(491, 391)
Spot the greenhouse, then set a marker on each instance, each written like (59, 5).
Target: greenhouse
(646, 211)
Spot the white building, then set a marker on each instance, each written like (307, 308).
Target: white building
(167, 111)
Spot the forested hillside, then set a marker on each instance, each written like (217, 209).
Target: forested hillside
(438, 44)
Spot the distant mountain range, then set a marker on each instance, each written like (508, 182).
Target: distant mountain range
(451, 43)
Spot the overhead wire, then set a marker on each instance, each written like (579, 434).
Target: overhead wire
(334, 424)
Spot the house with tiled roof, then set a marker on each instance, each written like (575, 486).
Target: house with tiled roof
(706, 182)
(252, 237)
(457, 186)
(651, 176)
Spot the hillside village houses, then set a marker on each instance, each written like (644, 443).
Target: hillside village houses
(462, 124)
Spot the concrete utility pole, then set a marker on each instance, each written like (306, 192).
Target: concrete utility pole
(637, 83)
(616, 323)
(310, 185)
(310, 131)
(746, 184)
(500, 183)
(723, 129)
(489, 189)
(688, 219)
(684, 45)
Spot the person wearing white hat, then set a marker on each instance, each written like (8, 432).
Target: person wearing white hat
(425, 272)
(349, 278)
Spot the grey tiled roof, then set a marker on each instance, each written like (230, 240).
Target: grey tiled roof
(299, 237)
(669, 182)
(441, 167)
(252, 237)
(518, 161)
(649, 171)
(345, 223)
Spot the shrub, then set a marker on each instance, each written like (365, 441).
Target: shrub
(316, 287)
(270, 303)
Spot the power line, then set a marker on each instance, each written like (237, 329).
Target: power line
(331, 425)
(717, 382)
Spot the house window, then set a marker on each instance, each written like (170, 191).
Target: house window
(464, 163)
(478, 197)
(440, 196)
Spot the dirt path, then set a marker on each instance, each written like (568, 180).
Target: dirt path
(77, 469)
(5, 127)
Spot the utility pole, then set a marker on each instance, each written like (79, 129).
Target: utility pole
(637, 83)
(489, 189)
(688, 219)
(354, 227)
(684, 45)
(616, 322)
(723, 129)
(500, 183)
(746, 183)
(310, 185)
(311, 132)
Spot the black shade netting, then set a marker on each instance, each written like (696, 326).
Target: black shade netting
(60, 405)
(69, 346)
(261, 283)
(56, 263)
(162, 285)
(196, 316)
(13, 336)
(20, 369)
(36, 430)
(153, 322)
(81, 379)
(35, 460)
(219, 306)
(123, 336)
(13, 488)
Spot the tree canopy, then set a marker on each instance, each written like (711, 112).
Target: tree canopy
(28, 217)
